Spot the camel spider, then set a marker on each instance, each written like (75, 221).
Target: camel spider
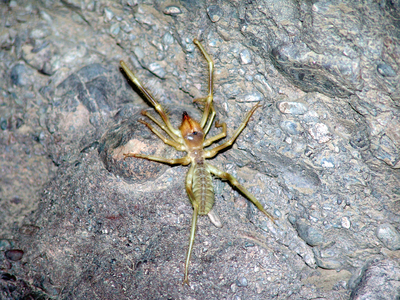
(190, 137)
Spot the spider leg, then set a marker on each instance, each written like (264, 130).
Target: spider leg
(171, 161)
(174, 144)
(189, 182)
(177, 139)
(209, 99)
(211, 115)
(212, 152)
(150, 98)
(233, 181)
(221, 135)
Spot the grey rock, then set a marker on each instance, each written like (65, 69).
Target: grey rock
(290, 127)
(157, 70)
(312, 63)
(39, 33)
(114, 29)
(294, 108)
(389, 236)
(242, 282)
(20, 75)
(172, 10)
(378, 279)
(245, 57)
(385, 70)
(214, 13)
(387, 151)
(309, 234)
(108, 13)
(328, 263)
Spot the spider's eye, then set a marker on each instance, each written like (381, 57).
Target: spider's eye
(194, 132)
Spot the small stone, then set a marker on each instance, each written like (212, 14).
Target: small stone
(294, 108)
(259, 288)
(242, 281)
(29, 230)
(3, 124)
(126, 27)
(74, 53)
(14, 254)
(39, 33)
(138, 52)
(254, 97)
(233, 287)
(157, 70)
(320, 132)
(385, 70)
(168, 39)
(4, 244)
(327, 162)
(19, 75)
(310, 235)
(346, 222)
(114, 29)
(387, 151)
(45, 16)
(172, 10)
(245, 57)
(290, 127)
(389, 236)
(328, 263)
(231, 90)
(108, 13)
(214, 13)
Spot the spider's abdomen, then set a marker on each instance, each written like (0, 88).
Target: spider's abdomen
(202, 188)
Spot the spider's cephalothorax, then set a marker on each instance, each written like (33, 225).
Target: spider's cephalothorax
(191, 137)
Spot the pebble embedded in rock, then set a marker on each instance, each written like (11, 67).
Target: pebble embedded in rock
(294, 108)
(320, 132)
(19, 75)
(389, 236)
(242, 281)
(172, 10)
(290, 127)
(385, 70)
(156, 69)
(108, 13)
(14, 254)
(346, 222)
(245, 57)
(310, 235)
(214, 12)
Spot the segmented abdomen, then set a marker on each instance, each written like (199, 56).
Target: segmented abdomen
(202, 188)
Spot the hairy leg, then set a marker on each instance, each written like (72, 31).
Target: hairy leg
(177, 139)
(150, 98)
(211, 115)
(177, 161)
(233, 181)
(189, 182)
(221, 135)
(174, 144)
(208, 100)
(212, 152)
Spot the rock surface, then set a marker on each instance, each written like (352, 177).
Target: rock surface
(322, 154)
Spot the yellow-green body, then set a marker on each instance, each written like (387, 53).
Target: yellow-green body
(202, 187)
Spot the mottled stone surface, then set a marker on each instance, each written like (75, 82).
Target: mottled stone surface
(321, 154)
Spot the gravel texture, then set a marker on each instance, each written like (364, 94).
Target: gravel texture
(322, 154)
